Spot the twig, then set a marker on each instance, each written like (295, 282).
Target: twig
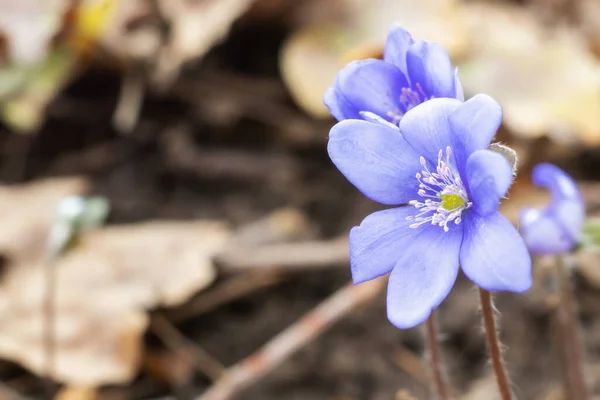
(49, 323)
(567, 337)
(493, 342)
(61, 233)
(440, 384)
(130, 101)
(287, 256)
(257, 365)
(173, 339)
(182, 155)
(232, 289)
(412, 364)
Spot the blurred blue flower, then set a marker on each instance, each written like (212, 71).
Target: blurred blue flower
(556, 228)
(438, 166)
(410, 73)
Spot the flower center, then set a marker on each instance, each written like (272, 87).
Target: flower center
(443, 194)
(409, 98)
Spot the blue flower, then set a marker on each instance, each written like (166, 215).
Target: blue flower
(409, 74)
(437, 165)
(556, 228)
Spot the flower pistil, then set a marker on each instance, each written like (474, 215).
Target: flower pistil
(409, 98)
(444, 194)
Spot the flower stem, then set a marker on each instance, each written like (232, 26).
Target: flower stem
(493, 342)
(567, 337)
(440, 385)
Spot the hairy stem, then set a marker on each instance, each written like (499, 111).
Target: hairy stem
(493, 342)
(567, 337)
(440, 385)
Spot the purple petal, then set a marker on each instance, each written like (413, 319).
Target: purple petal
(427, 129)
(459, 93)
(376, 119)
(396, 45)
(489, 176)
(338, 106)
(557, 228)
(474, 124)
(376, 159)
(423, 275)
(562, 186)
(543, 232)
(493, 255)
(430, 67)
(378, 243)
(371, 85)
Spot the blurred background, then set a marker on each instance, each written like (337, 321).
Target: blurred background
(223, 261)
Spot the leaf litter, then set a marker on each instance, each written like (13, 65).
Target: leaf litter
(108, 270)
(106, 284)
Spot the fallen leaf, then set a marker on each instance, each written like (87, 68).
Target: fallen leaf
(27, 212)
(196, 26)
(589, 15)
(309, 61)
(281, 225)
(29, 26)
(405, 394)
(554, 90)
(104, 287)
(149, 264)
(77, 393)
(482, 388)
(522, 194)
(39, 68)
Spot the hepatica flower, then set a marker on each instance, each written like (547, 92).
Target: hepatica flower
(556, 228)
(410, 73)
(437, 168)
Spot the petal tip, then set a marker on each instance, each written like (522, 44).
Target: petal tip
(485, 103)
(403, 321)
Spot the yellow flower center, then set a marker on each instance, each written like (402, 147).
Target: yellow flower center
(452, 201)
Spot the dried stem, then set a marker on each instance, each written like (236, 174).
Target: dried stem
(440, 384)
(230, 290)
(267, 358)
(173, 339)
(49, 313)
(130, 101)
(567, 337)
(493, 342)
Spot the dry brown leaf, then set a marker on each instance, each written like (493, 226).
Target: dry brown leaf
(589, 14)
(29, 26)
(312, 56)
(405, 394)
(547, 82)
(196, 26)
(27, 212)
(483, 388)
(77, 393)
(131, 42)
(104, 287)
(522, 194)
(148, 264)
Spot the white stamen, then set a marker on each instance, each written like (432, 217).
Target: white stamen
(445, 181)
